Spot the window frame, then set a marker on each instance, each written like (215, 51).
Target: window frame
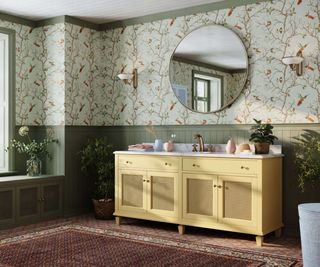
(194, 78)
(11, 94)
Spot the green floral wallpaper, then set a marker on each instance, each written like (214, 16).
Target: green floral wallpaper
(270, 31)
(66, 74)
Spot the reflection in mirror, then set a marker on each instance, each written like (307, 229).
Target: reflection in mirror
(208, 69)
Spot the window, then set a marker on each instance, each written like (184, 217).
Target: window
(6, 97)
(207, 93)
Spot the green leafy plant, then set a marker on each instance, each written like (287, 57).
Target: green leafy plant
(262, 133)
(307, 158)
(32, 148)
(97, 162)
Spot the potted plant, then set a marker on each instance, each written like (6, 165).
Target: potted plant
(35, 150)
(97, 162)
(262, 136)
(307, 163)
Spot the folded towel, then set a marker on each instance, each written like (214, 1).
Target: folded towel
(140, 147)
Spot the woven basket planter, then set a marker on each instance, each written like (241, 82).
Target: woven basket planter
(103, 208)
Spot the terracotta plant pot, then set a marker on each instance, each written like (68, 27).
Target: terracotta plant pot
(262, 148)
(103, 208)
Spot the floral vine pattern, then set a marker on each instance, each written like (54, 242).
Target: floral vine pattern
(66, 74)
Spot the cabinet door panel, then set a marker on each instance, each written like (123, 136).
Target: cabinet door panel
(236, 198)
(132, 188)
(7, 205)
(52, 199)
(163, 194)
(28, 202)
(200, 200)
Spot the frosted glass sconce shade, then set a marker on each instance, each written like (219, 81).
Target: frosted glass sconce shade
(130, 76)
(295, 63)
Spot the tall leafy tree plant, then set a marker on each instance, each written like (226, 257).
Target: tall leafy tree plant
(97, 162)
(307, 159)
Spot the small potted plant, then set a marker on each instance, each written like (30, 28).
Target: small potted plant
(307, 163)
(262, 136)
(97, 162)
(35, 150)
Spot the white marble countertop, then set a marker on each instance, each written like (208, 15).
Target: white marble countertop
(201, 154)
(184, 150)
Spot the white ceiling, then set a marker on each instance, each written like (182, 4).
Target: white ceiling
(96, 11)
(214, 45)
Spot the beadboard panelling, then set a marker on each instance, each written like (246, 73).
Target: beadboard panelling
(122, 136)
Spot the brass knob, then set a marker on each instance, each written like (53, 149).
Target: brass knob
(243, 167)
(148, 181)
(195, 165)
(215, 185)
(167, 164)
(219, 186)
(128, 162)
(144, 180)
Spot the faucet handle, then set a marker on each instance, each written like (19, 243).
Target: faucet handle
(194, 148)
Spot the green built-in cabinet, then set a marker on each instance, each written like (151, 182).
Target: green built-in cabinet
(26, 199)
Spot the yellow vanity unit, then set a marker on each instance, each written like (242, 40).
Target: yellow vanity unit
(218, 191)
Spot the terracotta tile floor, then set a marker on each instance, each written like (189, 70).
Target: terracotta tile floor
(283, 246)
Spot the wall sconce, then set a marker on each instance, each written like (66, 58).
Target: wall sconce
(295, 63)
(130, 76)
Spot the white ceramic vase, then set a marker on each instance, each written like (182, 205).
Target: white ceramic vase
(231, 146)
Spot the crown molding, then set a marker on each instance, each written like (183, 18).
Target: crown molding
(18, 20)
(179, 13)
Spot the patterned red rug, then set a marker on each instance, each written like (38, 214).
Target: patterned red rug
(75, 245)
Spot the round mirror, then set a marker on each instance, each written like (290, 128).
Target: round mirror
(209, 69)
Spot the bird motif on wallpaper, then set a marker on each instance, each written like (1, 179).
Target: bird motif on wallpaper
(30, 69)
(238, 26)
(237, 119)
(230, 12)
(309, 67)
(31, 107)
(309, 16)
(81, 68)
(81, 107)
(301, 99)
(299, 2)
(172, 105)
(309, 118)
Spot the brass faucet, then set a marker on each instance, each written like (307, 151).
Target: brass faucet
(199, 139)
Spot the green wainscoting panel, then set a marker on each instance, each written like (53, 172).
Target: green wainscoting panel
(77, 199)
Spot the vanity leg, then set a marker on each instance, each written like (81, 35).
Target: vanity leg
(118, 220)
(181, 229)
(259, 240)
(278, 232)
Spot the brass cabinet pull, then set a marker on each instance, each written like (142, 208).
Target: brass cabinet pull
(243, 167)
(195, 165)
(167, 164)
(128, 162)
(214, 185)
(219, 186)
(148, 181)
